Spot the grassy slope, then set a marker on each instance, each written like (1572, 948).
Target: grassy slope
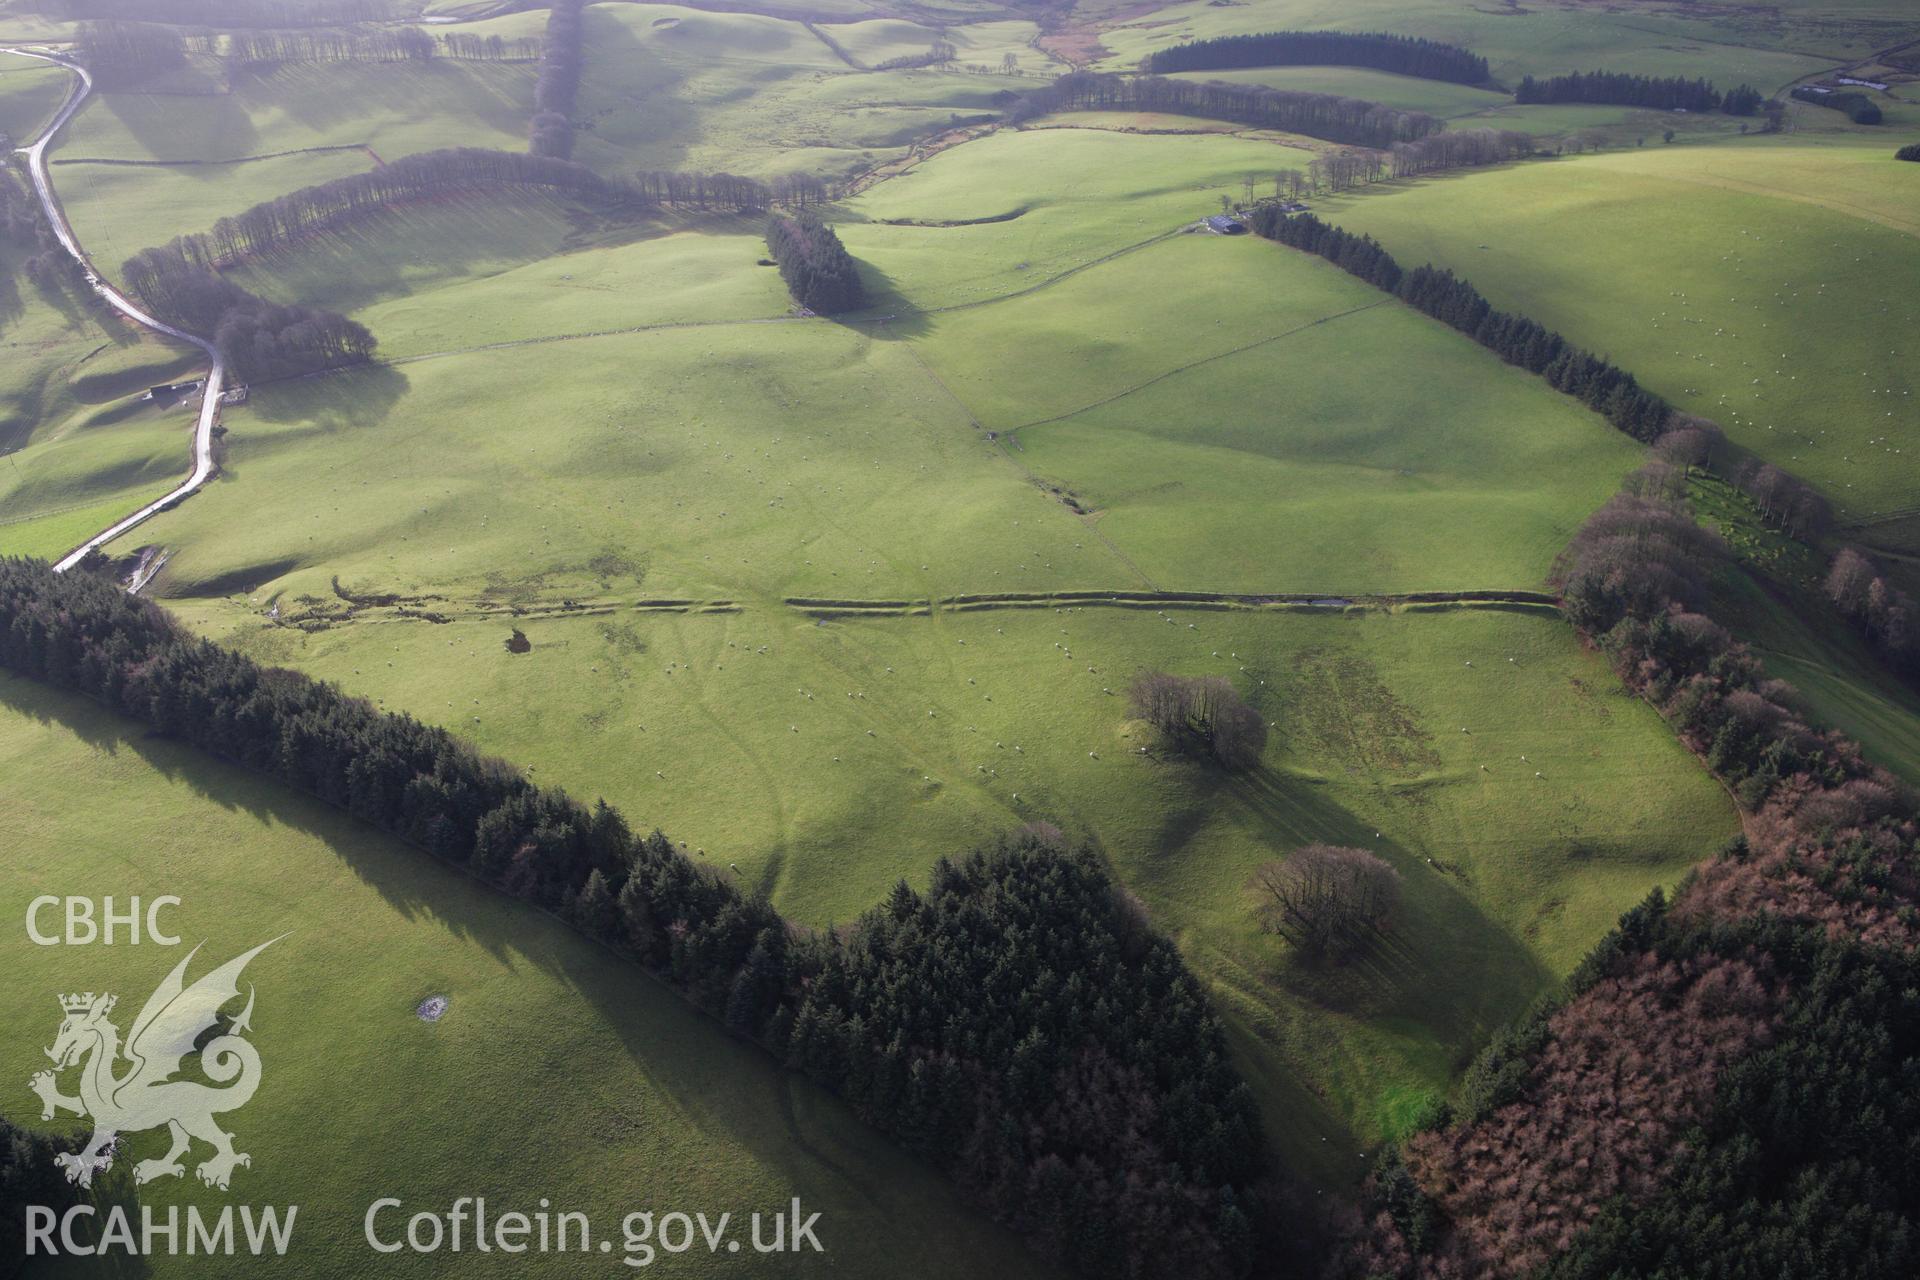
(117, 209)
(1727, 43)
(815, 458)
(395, 108)
(866, 745)
(78, 456)
(30, 92)
(1748, 282)
(675, 88)
(558, 1071)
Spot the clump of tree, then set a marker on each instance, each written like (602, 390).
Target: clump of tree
(1403, 55)
(1318, 115)
(819, 272)
(1604, 387)
(1857, 107)
(1020, 1024)
(1909, 152)
(1635, 558)
(1328, 901)
(1743, 100)
(1673, 93)
(1462, 149)
(1693, 442)
(557, 89)
(258, 339)
(939, 53)
(1344, 170)
(1202, 715)
(126, 53)
(1882, 612)
(1784, 501)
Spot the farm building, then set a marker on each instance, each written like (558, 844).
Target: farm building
(1222, 224)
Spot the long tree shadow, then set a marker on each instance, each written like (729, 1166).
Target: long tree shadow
(1444, 965)
(741, 1096)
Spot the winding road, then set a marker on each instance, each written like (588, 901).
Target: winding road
(215, 383)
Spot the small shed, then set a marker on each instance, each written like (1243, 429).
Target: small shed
(1222, 224)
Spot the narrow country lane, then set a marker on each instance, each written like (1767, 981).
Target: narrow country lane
(36, 155)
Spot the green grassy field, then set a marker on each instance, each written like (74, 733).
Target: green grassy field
(612, 434)
(669, 87)
(870, 741)
(119, 209)
(558, 1071)
(1726, 42)
(1008, 212)
(77, 454)
(30, 92)
(1409, 93)
(740, 459)
(1748, 282)
(393, 108)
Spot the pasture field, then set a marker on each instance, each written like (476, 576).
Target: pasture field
(1728, 43)
(1750, 283)
(668, 87)
(1008, 212)
(393, 108)
(451, 279)
(744, 460)
(1408, 93)
(30, 92)
(871, 742)
(1272, 402)
(1469, 107)
(977, 43)
(557, 1071)
(815, 461)
(119, 209)
(797, 590)
(78, 454)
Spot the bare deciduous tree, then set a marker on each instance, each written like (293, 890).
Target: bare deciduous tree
(1327, 900)
(1203, 712)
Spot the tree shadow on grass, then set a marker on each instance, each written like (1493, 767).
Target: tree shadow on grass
(164, 126)
(888, 317)
(379, 255)
(807, 1141)
(337, 100)
(1444, 965)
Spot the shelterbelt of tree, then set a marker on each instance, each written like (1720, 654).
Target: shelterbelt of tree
(1020, 1025)
(1380, 50)
(274, 224)
(1673, 93)
(1609, 390)
(1318, 115)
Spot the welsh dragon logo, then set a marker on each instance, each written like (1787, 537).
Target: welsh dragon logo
(146, 1094)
